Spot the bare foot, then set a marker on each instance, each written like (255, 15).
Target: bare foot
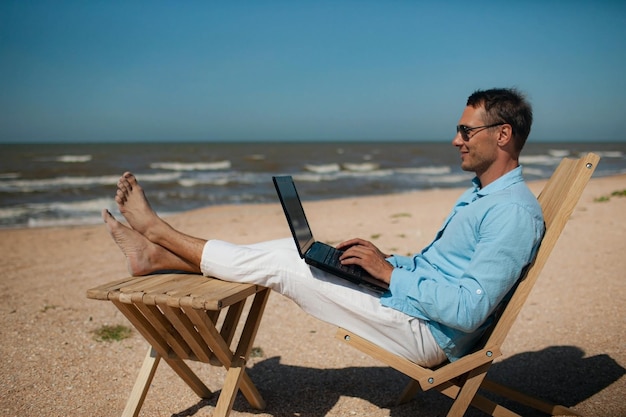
(142, 256)
(135, 207)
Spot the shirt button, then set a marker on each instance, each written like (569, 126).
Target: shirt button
(479, 292)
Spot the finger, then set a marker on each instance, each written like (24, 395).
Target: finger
(347, 244)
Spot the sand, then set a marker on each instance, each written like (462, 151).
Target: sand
(567, 345)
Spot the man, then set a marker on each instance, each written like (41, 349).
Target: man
(439, 302)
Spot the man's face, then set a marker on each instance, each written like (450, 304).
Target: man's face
(480, 150)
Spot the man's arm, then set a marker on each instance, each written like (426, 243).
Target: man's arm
(463, 298)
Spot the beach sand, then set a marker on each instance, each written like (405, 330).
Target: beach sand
(567, 344)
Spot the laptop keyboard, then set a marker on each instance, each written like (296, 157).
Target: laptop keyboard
(331, 257)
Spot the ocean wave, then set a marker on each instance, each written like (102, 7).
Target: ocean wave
(323, 168)
(9, 175)
(56, 213)
(158, 177)
(558, 153)
(451, 179)
(429, 170)
(72, 159)
(610, 154)
(193, 182)
(346, 166)
(366, 174)
(539, 160)
(360, 167)
(12, 212)
(45, 184)
(192, 166)
(534, 171)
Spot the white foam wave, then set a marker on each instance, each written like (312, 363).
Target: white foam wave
(451, 179)
(430, 170)
(534, 171)
(72, 159)
(610, 154)
(192, 166)
(75, 221)
(27, 185)
(323, 168)
(539, 160)
(85, 206)
(360, 167)
(366, 174)
(192, 182)
(558, 153)
(57, 213)
(46, 184)
(9, 175)
(12, 212)
(160, 177)
(311, 177)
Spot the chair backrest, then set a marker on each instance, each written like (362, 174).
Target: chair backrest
(557, 200)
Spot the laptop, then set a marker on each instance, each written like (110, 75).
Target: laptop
(317, 254)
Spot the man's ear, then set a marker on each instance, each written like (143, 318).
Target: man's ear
(505, 138)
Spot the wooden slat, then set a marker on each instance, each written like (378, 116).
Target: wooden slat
(188, 332)
(166, 330)
(102, 292)
(173, 290)
(219, 294)
(144, 327)
(147, 283)
(222, 352)
(231, 320)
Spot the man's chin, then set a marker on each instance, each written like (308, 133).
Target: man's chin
(466, 167)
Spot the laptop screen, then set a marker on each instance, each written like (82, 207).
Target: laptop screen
(294, 212)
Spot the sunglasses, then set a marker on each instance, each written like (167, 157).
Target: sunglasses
(465, 130)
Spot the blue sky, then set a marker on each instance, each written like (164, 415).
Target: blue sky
(84, 71)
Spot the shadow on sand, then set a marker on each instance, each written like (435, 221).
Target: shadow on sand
(559, 374)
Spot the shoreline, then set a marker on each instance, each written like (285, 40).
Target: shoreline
(535, 186)
(566, 345)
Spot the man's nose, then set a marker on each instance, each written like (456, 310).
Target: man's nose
(457, 140)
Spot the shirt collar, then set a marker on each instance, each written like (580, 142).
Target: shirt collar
(505, 181)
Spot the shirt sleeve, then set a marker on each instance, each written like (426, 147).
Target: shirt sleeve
(506, 236)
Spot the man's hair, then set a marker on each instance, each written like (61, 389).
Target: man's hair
(506, 105)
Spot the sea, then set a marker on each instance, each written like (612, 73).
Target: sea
(69, 184)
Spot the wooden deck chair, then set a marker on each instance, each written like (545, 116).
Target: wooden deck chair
(461, 379)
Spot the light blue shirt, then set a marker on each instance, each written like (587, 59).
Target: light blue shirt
(458, 280)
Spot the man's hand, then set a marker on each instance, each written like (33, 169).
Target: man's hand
(366, 255)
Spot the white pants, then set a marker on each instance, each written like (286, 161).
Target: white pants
(277, 265)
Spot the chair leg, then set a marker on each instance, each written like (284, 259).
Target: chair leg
(230, 388)
(411, 389)
(491, 408)
(140, 389)
(468, 391)
(521, 398)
